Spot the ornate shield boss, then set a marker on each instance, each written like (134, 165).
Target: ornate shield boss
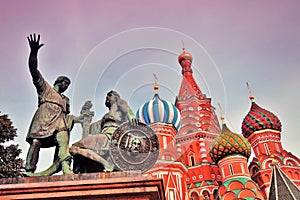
(134, 146)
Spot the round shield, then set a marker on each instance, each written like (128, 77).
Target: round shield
(134, 146)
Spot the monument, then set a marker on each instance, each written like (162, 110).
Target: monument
(119, 146)
(117, 142)
(51, 124)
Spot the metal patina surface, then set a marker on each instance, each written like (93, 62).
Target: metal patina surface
(134, 146)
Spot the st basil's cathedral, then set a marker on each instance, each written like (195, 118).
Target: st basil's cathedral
(200, 159)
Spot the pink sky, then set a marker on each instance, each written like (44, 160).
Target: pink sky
(254, 41)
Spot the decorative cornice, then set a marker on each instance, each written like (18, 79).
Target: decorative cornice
(232, 158)
(267, 135)
(195, 136)
(263, 131)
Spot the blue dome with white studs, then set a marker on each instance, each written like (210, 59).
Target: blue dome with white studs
(159, 110)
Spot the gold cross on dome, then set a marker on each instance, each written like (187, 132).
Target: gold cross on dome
(155, 79)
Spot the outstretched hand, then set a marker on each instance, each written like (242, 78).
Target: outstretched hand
(34, 43)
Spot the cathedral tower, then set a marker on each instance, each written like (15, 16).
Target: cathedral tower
(199, 128)
(262, 128)
(164, 118)
(231, 151)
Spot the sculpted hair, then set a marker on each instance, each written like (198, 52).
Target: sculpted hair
(61, 79)
(107, 104)
(114, 93)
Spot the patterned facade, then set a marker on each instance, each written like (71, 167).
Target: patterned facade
(199, 161)
(231, 151)
(200, 127)
(263, 130)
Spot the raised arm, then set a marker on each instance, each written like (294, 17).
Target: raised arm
(34, 43)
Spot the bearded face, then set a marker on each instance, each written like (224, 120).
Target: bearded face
(136, 145)
(111, 98)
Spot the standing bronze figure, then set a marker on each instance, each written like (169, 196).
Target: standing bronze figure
(51, 123)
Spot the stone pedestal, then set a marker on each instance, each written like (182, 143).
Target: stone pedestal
(114, 185)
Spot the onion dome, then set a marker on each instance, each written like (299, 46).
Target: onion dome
(259, 119)
(185, 56)
(185, 60)
(159, 110)
(229, 143)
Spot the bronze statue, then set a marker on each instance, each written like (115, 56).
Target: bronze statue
(51, 124)
(86, 120)
(95, 146)
(119, 112)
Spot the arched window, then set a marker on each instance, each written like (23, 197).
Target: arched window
(267, 149)
(205, 194)
(192, 161)
(223, 173)
(242, 168)
(172, 194)
(194, 196)
(231, 169)
(164, 142)
(191, 156)
(216, 197)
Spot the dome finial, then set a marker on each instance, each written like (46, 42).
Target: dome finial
(251, 97)
(183, 48)
(155, 84)
(221, 114)
(185, 60)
